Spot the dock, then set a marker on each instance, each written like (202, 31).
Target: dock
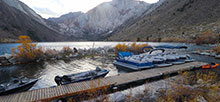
(120, 82)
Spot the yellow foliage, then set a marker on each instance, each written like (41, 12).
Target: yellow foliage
(66, 49)
(136, 48)
(206, 85)
(27, 51)
(121, 47)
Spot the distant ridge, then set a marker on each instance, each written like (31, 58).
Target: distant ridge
(173, 18)
(100, 21)
(24, 21)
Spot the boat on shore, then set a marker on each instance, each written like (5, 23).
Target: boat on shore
(83, 76)
(210, 66)
(17, 86)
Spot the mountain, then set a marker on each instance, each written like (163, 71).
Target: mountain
(25, 9)
(18, 19)
(100, 21)
(66, 17)
(173, 18)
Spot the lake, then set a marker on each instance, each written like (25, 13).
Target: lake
(46, 71)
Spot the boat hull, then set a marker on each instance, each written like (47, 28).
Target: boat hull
(21, 88)
(65, 82)
(131, 67)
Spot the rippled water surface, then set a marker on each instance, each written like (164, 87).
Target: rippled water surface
(48, 70)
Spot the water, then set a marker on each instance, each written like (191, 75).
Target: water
(46, 71)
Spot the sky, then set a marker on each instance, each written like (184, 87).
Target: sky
(56, 8)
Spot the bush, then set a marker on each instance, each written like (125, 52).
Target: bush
(49, 53)
(217, 49)
(192, 86)
(135, 48)
(27, 51)
(206, 38)
(121, 47)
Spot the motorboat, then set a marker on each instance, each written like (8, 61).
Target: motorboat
(83, 76)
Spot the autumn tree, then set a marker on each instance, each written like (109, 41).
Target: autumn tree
(27, 51)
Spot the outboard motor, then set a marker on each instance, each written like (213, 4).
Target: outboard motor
(98, 69)
(15, 81)
(58, 80)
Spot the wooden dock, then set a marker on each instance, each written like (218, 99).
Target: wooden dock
(126, 79)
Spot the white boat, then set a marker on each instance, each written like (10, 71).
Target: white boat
(146, 60)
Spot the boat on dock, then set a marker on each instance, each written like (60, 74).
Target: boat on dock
(149, 60)
(16, 86)
(83, 76)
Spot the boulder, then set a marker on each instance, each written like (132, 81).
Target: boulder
(201, 99)
(200, 81)
(118, 97)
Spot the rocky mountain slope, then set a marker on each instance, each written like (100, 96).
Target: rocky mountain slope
(18, 19)
(174, 18)
(101, 20)
(25, 9)
(66, 17)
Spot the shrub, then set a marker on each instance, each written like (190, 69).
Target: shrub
(206, 38)
(121, 47)
(27, 51)
(135, 48)
(217, 49)
(49, 53)
(191, 86)
(66, 51)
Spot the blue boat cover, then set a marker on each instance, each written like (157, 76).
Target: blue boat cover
(124, 54)
(171, 47)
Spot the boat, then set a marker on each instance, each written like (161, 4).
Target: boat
(83, 76)
(172, 47)
(133, 62)
(17, 86)
(163, 65)
(133, 66)
(147, 60)
(210, 66)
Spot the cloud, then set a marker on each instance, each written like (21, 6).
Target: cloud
(56, 8)
(45, 11)
(150, 1)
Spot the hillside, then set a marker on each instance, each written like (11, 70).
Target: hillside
(173, 18)
(14, 22)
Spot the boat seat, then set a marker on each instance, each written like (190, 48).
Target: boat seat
(2, 88)
(21, 82)
(92, 73)
(15, 81)
(66, 78)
